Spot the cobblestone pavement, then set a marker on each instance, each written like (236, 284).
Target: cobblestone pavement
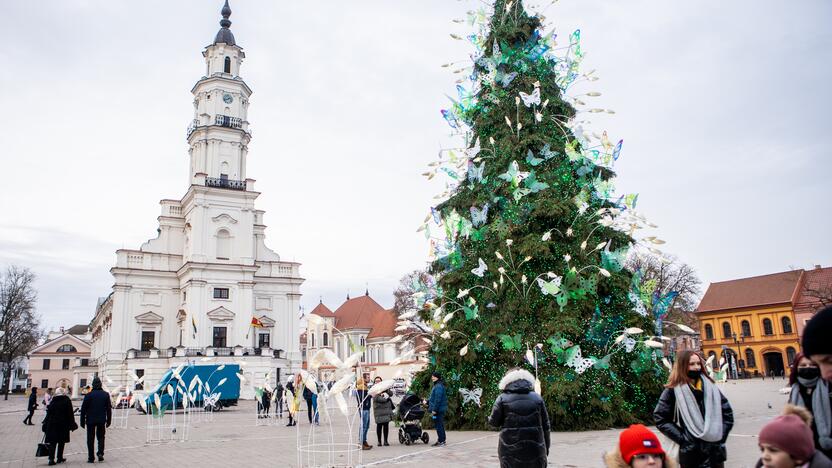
(232, 438)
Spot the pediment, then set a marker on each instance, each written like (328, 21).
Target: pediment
(224, 217)
(221, 313)
(149, 317)
(266, 321)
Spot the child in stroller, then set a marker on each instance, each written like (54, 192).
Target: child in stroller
(410, 414)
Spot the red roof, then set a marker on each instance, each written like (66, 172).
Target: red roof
(322, 310)
(815, 282)
(776, 288)
(358, 312)
(384, 325)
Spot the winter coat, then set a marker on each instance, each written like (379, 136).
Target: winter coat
(614, 460)
(96, 408)
(692, 451)
(383, 407)
(819, 460)
(438, 401)
(362, 397)
(307, 394)
(521, 415)
(60, 420)
(808, 402)
(33, 401)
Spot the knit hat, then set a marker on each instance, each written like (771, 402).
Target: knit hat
(790, 434)
(816, 333)
(637, 440)
(96, 383)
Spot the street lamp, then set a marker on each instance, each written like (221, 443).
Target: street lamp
(739, 349)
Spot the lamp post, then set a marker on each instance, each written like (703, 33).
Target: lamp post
(737, 342)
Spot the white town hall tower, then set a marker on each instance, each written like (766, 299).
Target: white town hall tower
(191, 293)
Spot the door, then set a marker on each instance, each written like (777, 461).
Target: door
(774, 363)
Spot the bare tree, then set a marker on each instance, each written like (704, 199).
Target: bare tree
(402, 295)
(820, 292)
(20, 328)
(672, 275)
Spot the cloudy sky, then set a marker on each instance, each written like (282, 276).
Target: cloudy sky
(723, 106)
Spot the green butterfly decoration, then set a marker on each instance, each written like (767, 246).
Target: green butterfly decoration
(471, 313)
(513, 175)
(479, 234)
(603, 363)
(511, 343)
(614, 261)
(533, 184)
(532, 160)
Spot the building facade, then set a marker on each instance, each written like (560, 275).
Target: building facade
(62, 361)
(755, 323)
(192, 292)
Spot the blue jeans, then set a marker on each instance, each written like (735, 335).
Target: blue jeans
(365, 425)
(438, 421)
(316, 415)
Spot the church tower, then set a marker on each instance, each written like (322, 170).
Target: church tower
(195, 290)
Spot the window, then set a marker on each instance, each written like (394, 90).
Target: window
(787, 326)
(219, 337)
(83, 382)
(263, 340)
(46, 364)
(85, 362)
(44, 383)
(223, 244)
(709, 331)
(746, 328)
(790, 354)
(363, 354)
(148, 338)
(326, 339)
(67, 348)
(227, 65)
(65, 364)
(313, 340)
(767, 328)
(726, 330)
(220, 293)
(750, 361)
(139, 374)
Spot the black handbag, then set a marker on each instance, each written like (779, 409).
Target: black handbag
(43, 448)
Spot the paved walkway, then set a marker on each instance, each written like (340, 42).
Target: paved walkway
(233, 439)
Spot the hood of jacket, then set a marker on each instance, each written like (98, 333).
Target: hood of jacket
(517, 381)
(613, 459)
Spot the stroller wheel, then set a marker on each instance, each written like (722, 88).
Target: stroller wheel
(425, 438)
(407, 440)
(401, 437)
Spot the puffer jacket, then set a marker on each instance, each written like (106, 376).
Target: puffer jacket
(521, 415)
(613, 459)
(692, 451)
(383, 407)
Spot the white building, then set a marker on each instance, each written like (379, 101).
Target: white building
(192, 291)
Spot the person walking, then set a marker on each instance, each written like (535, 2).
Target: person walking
(638, 447)
(438, 405)
(291, 402)
(523, 420)
(787, 442)
(816, 343)
(809, 391)
(59, 422)
(382, 413)
(693, 413)
(362, 396)
(96, 415)
(278, 400)
(31, 406)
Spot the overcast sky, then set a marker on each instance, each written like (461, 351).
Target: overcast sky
(723, 108)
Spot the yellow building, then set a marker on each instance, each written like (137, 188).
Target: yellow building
(751, 322)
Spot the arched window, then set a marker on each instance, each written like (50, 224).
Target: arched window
(709, 331)
(227, 67)
(223, 244)
(67, 348)
(790, 354)
(326, 339)
(750, 361)
(768, 329)
(726, 330)
(746, 328)
(787, 326)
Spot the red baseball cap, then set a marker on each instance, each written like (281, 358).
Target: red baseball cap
(636, 440)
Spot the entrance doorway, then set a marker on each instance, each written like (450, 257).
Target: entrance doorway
(774, 363)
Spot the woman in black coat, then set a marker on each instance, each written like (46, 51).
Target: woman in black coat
(688, 378)
(521, 415)
(59, 421)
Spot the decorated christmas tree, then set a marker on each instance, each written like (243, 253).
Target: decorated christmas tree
(530, 242)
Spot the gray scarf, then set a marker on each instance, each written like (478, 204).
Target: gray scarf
(708, 428)
(820, 411)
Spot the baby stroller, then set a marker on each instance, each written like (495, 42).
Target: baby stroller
(411, 411)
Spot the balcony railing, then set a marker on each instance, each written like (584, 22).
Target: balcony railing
(191, 128)
(228, 121)
(222, 182)
(142, 354)
(223, 351)
(191, 352)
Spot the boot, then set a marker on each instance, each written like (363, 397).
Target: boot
(366, 446)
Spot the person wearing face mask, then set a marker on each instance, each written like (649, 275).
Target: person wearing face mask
(812, 393)
(786, 442)
(693, 413)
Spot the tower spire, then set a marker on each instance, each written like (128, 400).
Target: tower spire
(224, 35)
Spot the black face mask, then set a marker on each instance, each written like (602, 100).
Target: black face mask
(694, 374)
(808, 372)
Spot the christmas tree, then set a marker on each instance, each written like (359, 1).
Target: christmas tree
(530, 243)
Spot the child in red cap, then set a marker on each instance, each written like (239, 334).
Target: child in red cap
(787, 442)
(638, 447)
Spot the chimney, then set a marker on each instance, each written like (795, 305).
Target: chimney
(818, 267)
(62, 330)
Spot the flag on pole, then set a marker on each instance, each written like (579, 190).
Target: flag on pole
(256, 323)
(193, 323)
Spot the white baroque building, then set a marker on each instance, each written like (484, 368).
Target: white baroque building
(190, 294)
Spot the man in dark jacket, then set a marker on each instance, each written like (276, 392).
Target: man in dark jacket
(438, 405)
(31, 407)
(521, 415)
(96, 414)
